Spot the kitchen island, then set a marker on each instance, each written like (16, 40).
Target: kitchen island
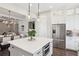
(37, 47)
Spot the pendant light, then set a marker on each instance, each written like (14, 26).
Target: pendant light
(11, 21)
(38, 13)
(5, 19)
(29, 17)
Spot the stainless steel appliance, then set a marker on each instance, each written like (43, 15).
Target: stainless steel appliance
(46, 49)
(58, 34)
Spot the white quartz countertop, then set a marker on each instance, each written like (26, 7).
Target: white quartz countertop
(73, 37)
(30, 46)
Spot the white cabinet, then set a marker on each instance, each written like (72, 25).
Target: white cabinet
(14, 51)
(76, 43)
(38, 53)
(71, 43)
(51, 47)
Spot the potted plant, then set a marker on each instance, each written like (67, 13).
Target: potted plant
(31, 33)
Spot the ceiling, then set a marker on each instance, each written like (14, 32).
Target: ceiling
(23, 7)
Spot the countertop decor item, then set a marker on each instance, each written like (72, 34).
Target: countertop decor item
(31, 34)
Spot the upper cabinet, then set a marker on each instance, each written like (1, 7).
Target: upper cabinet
(77, 10)
(69, 12)
(57, 17)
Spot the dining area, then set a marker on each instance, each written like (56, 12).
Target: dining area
(4, 45)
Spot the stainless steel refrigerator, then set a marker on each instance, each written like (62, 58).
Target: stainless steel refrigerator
(58, 34)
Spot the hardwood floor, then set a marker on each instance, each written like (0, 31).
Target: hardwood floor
(56, 52)
(62, 52)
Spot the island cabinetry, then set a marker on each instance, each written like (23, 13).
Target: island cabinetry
(15, 51)
(38, 53)
(38, 47)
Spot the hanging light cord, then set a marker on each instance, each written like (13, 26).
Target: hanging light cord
(9, 14)
(29, 9)
(38, 10)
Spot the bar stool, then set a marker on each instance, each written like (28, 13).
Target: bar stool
(4, 48)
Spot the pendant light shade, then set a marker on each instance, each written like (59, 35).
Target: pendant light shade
(29, 17)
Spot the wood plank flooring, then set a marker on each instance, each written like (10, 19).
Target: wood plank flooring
(56, 52)
(62, 52)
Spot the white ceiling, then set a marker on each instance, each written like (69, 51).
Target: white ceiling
(46, 6)
(43, 6)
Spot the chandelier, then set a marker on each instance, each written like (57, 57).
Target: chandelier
(8, 20)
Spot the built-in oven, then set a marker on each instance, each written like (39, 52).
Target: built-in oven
(46, 49)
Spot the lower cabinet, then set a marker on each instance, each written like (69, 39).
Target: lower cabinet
(38, 53)
(14, 51)
(51, 48)
(71, 43)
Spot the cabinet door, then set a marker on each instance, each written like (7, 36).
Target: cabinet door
(14, 51)
(38, 52)
(76, 43)
(69, 43)
(73, 44)
(51, 47)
